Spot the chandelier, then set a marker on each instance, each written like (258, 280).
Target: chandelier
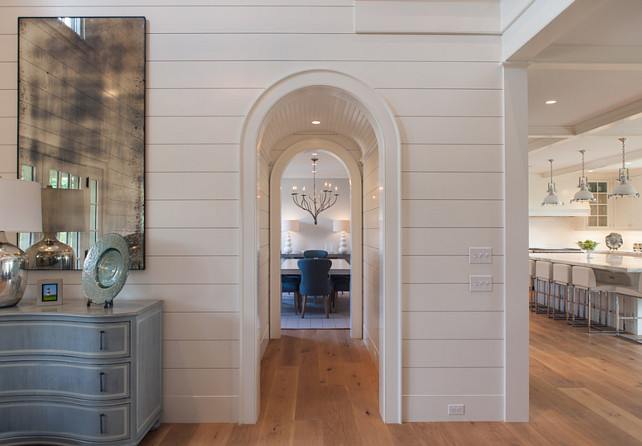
(312, 203)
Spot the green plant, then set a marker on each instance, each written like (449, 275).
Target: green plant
(587, 245)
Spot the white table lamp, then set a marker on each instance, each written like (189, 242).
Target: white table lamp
(342, 226)
(19, 212)
(287, 226)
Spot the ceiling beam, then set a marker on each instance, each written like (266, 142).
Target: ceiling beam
(628, 112)
(535, 144)
(557, 132)
(612, 160)
(593, 54)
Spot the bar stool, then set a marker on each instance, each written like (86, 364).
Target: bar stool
(531, 285)
(543, 275)
(626, 293)
(561, 280)
(584, 280)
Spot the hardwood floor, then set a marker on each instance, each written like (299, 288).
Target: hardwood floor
(320, 388)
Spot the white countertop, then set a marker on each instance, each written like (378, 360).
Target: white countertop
(608, 262)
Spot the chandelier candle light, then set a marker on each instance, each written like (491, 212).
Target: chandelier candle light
(315, 204)
(583, 195)
(552, 197)
(625, 188)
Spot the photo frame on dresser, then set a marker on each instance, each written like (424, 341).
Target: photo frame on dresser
(81, 127)
(50, 292)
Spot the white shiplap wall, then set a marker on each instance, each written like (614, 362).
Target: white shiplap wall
(207, 64)
(371, 254)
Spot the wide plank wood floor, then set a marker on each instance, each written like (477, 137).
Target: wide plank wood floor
(320, 388)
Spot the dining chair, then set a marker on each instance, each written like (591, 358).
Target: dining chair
(290, 284)
(315, 254)
(315, 281)
(340, 282)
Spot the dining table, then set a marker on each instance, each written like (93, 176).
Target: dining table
(291, 267)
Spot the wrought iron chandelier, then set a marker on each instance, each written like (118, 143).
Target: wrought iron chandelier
(315, 204)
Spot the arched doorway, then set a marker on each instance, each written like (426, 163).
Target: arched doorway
(385, 129)
(356, 296)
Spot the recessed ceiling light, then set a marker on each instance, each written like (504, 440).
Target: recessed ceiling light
(591, 171)
(315, 122)
(551, 102)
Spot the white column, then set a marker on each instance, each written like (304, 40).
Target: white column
(516, 311)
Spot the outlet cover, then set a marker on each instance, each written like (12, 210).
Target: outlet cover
(481, 283)
(480, 255)
(456, 409)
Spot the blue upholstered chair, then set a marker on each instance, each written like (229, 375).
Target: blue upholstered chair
(339, 282)
(315, 254)
(290, 284)
(315, 281)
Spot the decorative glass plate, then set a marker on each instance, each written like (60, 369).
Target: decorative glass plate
(613, 240)
(105, 270)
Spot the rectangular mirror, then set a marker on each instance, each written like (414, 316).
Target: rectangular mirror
(81, 116)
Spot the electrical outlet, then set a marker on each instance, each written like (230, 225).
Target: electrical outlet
(481, 283)
(456, 409)
(480, 255)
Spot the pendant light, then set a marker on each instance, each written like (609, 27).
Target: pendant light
(583, 195)
(552, 197)
(625, 188)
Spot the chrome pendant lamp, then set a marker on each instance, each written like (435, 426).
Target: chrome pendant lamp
(625, 188)
(583, 195)
(552, 197)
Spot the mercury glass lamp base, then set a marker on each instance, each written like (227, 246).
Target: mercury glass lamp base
(13, 279)
(50, 253)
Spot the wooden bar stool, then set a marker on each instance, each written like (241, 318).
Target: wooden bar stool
(543, 277)
(562, 279)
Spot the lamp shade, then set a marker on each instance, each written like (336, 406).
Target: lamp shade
(341, 226)
(20, 209)
(64, 210)
(290, 225)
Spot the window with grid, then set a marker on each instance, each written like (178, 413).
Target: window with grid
(65, 180)
(598, 217)
(26, 239)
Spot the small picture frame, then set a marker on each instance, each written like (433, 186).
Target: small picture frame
(50, 292)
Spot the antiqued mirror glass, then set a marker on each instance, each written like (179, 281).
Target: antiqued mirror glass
(81, 116)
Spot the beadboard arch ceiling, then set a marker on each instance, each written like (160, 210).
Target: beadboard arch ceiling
(340, 118)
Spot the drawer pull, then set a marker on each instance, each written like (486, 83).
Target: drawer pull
(102, 337)
(102, 381)
(102, 426)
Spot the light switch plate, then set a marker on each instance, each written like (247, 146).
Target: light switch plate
(481, 283)
(480, 255)
(456, 409)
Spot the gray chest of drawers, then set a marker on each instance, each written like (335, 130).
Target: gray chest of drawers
(80, 375)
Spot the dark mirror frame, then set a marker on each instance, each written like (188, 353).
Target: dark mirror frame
(81, 125)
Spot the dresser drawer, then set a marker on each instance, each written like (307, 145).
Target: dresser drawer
(52, 419)
(52, 378)
(86, 340)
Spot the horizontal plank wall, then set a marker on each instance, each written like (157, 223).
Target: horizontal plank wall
(207, 64)
(371, 255)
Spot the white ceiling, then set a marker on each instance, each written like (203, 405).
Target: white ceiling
(594, 71)
(328, 166)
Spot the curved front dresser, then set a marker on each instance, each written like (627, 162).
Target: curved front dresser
(80, 375)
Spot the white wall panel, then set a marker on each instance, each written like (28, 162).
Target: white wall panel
(199, 242)
(200, 354)
(453, 353)
(192, 158)
(334, 47)
(450, 130)
(200, 326)
(451, 158)
(200, 409)
(194, 130)
(433, 407)
(451, 241)
(429, 102)
(450, 213)
(8, 101)
(202, 382)
(176, 270)
(192, 213)
(449, 297)
(200, 102)
(8, 126)
(193, 186)
(184, 297)
(446, 269)
(453, 325)
(261, 74)
(453, 381)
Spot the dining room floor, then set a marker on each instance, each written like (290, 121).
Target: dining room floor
(315, 314)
